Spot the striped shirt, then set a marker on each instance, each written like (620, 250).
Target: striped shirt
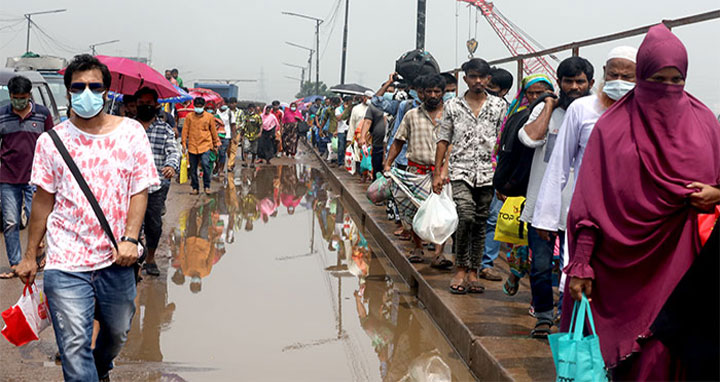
(19, 136)
(164, 149)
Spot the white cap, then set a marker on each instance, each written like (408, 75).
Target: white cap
(369, 93)
(626, 52)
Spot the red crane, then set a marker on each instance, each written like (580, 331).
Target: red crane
(515, 39)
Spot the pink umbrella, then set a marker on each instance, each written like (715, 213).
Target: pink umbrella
(129, 76)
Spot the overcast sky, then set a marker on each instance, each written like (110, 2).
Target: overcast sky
(245, 39)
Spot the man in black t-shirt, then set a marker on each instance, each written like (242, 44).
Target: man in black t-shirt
(376, 124)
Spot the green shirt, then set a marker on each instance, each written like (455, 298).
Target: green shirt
(252, 123)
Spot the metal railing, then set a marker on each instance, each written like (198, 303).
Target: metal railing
(575, 46)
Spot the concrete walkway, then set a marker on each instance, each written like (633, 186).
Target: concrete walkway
(490, 331)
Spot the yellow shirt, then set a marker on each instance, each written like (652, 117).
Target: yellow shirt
(199, 134)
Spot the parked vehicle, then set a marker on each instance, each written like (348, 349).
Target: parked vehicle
(41, 92)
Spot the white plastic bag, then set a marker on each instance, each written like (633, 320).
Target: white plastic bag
(436, 219)
(350, 160)
(30, 316)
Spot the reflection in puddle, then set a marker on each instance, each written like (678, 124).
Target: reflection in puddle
(271, 279)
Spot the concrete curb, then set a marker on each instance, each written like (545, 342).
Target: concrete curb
(469, 346)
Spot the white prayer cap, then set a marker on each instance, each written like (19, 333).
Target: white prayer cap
(626, 52)
(369, 93)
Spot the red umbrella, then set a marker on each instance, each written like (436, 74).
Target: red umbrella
(129, 76)
(209, 95)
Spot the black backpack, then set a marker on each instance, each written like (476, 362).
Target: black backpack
(514, 159)
(416, 63)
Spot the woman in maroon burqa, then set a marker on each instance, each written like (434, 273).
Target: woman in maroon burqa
(651, 166)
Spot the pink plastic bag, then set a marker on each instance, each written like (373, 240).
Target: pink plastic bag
(30, 316)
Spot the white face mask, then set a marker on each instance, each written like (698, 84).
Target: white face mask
(616, 89)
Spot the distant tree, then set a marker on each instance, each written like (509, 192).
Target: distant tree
(308, 89)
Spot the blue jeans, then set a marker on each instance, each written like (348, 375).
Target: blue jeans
(222, 153)
(75, 299)
(342, 144)
(492, 247)
(204, 160)
(541, 267)
(11, 197)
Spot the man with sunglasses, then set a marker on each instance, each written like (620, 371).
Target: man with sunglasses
(21, 123)
(86, 276)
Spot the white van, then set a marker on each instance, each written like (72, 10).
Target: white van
(41, 93)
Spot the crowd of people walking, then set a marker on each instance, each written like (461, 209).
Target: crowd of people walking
(613, 179)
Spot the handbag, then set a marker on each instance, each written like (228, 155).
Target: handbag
(509, 227)
(91, 197)
(578, 358)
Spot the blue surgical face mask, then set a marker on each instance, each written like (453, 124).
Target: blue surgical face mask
(448, 96)
(617, 89)
(388, 96)
(87, 104)
(199, 110)
(223, 108)
(414, 95)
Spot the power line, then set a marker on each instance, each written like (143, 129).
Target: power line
(332, 27)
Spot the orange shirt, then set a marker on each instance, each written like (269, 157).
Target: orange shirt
(199, 134)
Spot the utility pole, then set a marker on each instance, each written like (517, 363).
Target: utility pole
(420, 37)
(344, 47)
(92, 46)
(302, 76)
(309, 59)
(317, 45)
(29, 22)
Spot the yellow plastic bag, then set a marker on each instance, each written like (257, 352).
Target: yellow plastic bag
(184, 169)
(509, 228)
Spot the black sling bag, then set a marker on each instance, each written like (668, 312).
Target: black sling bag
(89, 195)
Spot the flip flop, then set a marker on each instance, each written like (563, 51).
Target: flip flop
(442, 263)
(511, 289)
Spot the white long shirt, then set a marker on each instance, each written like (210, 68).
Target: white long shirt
(572, 139)
(543, 150)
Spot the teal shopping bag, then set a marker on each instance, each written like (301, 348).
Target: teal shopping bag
(578, 358)
(366, 164)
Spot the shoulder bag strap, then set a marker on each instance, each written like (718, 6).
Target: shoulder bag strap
(83, 186)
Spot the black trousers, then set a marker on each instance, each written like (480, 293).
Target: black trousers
(153, 216)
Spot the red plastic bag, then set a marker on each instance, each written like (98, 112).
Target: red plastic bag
(26, 319)
(706, 223)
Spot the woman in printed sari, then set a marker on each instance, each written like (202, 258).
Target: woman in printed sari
(651, 166)
(290, 134)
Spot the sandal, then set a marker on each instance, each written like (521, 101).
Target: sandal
(416, 256)
(194, 192)
(475, 287)
(440, 262)
(405, 237)
(540, 331)
(511, 289)
(151, 269)
(460, 288)
(7, 275)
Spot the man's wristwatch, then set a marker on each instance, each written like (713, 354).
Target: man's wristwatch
(130, 240)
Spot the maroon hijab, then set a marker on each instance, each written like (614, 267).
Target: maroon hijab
(632, 192)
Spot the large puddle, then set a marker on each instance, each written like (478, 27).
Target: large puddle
(270, 280)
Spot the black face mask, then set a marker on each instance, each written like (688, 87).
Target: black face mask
(432, 103)
(146, 113)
